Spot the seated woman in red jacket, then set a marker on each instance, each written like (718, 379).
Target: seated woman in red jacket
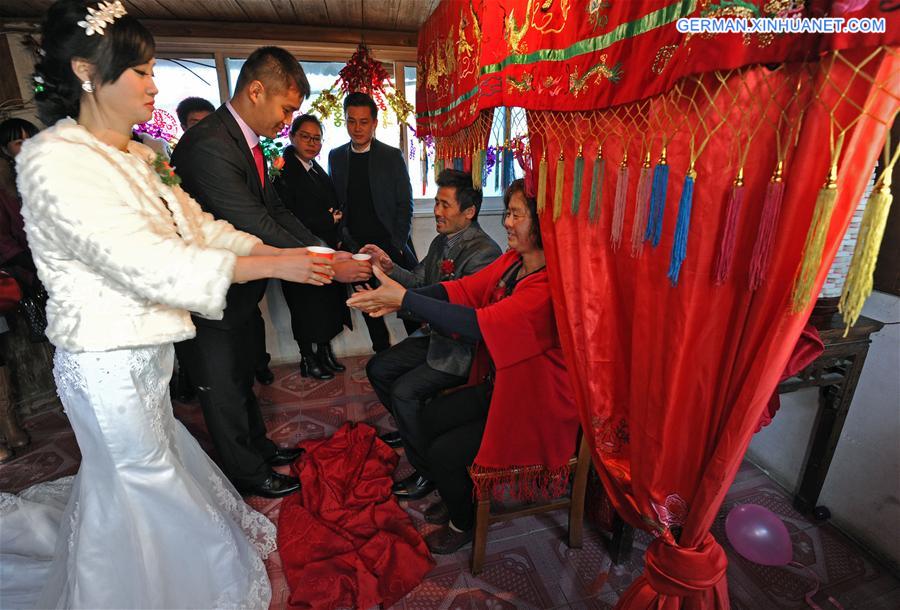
(522, 412)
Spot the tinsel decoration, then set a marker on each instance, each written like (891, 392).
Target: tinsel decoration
(765, 236)
(682, 227)
(162, 126)
(815, 243)
(365, 74)
(641, 207)
(729, 233)
(622, 184)
(558, 187)
(658, 199)
(597, 177)
(577, 176)
(542, 185)
(858, 285)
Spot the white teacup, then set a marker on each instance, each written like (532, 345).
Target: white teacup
(321, 252)
(362, 257)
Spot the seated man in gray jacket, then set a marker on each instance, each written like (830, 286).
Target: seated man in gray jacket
(425, 363)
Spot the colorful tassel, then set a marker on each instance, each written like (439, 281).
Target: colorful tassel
(858, 285)
(621, 185)
(679, 243)
(508, 172)
(729, 234)
(597, 177)
(558, 187)
(641, 208)
(498, 167)
(467, 161)
(815, 244)
(423, 166)
(459, 164)
(765, 236)
(542, 185)
(478, 168)
(658, 199)
(577, 177)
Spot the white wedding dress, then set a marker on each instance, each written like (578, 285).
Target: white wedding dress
(148, 522)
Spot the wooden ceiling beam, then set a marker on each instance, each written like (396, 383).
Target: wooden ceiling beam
(277, 31)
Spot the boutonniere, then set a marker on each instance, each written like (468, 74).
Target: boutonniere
(165, 171)
(275, 167)
(447, 267)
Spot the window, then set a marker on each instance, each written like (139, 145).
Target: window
(178, 78)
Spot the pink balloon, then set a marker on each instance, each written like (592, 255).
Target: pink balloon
(759, 535)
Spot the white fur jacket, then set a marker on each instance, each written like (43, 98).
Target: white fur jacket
(123, 257)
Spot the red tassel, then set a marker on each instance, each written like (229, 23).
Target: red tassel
(765, 236)
(729, 235)
(467, 164)
(641, 207)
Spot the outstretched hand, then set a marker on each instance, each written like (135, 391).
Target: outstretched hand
(381, 301)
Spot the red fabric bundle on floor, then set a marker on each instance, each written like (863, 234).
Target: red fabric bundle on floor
(343, 540)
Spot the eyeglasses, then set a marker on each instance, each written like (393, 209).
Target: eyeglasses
(515, 214)
(308, 138)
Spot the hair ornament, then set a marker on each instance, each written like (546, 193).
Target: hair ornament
(97, 19)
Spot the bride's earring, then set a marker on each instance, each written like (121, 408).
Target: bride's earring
(87, 86)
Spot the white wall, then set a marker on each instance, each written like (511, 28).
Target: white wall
(280, 341)
(862, 489)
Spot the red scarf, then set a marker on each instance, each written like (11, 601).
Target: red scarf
(532, 419)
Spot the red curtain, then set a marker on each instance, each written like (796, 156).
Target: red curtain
(671, 380)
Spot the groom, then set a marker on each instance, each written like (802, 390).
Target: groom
(222, 166)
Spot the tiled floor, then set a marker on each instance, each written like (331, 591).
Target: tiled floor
(528, 564)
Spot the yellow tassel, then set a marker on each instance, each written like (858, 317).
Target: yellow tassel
(477, 168)
(858, 285)
(815, 244)
(558, 190)
(542, 185)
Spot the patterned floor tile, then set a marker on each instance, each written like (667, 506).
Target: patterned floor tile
(528, 563)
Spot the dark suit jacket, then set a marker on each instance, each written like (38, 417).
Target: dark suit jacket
(309, 198)
(217, 169)
(474, 251)
(391, 194)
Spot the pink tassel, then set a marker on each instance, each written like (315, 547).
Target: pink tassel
(621, 194)
(765, 236)
(641, 208)
(729, 235)
(615, 236)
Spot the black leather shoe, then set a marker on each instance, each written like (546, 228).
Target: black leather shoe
(327, 359)
(419, 487)
(265, 376)
(285, 455)
(392, 439)
(309, 367)
(437, 514)
(276, 485)
(446, 541)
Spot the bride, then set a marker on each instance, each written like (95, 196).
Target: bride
(149, 521)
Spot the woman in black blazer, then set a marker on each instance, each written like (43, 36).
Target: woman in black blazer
(318, 313)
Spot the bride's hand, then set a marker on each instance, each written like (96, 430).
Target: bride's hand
(385, 299)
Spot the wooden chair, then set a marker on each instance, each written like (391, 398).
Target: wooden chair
(575, 503)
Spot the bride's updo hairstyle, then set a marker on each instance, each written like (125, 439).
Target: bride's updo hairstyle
(123, 44)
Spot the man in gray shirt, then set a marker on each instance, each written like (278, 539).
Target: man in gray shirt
(425, 363)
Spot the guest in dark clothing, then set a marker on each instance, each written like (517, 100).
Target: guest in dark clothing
(375, 194)
(318, 314)
(13, 132)
(192, 110)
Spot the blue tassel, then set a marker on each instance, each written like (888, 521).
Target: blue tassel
(657, 201)
(679, 245)
(458, 163)
(507, 166)
(498, 167)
